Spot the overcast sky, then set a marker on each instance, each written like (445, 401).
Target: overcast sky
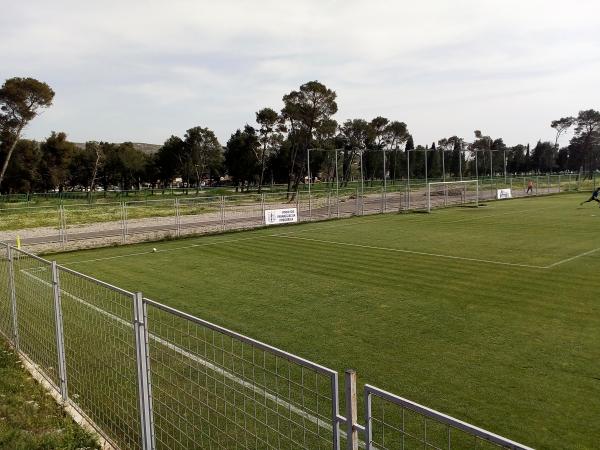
(143, 70)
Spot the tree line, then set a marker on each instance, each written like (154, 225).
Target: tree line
(278, 148)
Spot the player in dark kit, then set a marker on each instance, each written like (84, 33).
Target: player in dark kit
(594, 197)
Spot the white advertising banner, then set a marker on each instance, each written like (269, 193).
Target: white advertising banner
(279, 216)
(503, 193)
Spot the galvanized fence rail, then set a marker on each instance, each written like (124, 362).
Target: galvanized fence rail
(395, 422)
(148, 376)
(127, 221)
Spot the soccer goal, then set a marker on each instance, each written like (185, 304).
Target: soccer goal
(449, 193)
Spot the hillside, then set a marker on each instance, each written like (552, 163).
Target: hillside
(149, 149)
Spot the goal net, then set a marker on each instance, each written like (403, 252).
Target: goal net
(451, 193)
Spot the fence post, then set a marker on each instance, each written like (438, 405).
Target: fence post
(177, 218)
(124, 221)
(140, 323)
(60, 225)
(60, 337)
(64, 224)
(60, 230)
(13, 297)
(357, 202)
(428, 197)
(222, 212)
(569, 183)
(298, 206)
(335, 410)
(368, 424)
(351, 412)
(445, 195)
(329, 204)
(262, 206)
(309, 204)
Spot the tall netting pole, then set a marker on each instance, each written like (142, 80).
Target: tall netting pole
(362, 186)
(337, 184)
(309, 182)
(408, 179)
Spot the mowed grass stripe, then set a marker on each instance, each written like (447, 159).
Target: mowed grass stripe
(511, 349)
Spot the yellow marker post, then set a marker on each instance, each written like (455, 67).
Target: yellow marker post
(18, 242)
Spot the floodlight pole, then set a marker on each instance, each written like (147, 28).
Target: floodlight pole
(362, 185)
(504, 166)
(426, 166)
(476, 167)
(491, 171)
(384, 173)
(337, 183)
(444, 166)
(408, 178)
(308, 171)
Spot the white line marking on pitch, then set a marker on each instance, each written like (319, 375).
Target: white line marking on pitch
(398, 250)
(558, 263)
(378, 217)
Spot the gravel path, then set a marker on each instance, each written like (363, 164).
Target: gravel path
(233, 217)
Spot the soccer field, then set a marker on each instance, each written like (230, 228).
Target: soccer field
(489, 314)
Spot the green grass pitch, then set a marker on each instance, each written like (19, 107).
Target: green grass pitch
(489, 314)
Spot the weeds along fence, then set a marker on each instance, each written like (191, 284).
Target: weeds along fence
(148, 376)
(121, 222)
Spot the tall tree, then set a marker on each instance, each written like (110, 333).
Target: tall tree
(408, 149)
(561, 126)
(204, 154)
(327, 140)
(80, 169)
(268, 119)
(305, 111)
(517, 162)
(397, 135)
(56, 159)
(95, 149)
(480, 144)
(453, 145)
(20, 101)
(240, 157)
(355, 136)
(22, 174)
(587, 131)
(170, 159)
(543, 157)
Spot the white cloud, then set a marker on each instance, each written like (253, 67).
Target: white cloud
(141, 70)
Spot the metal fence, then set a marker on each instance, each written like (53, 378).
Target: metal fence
(395, 422)
(73, 225)
(148, 376)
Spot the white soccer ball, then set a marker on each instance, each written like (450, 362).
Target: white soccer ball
(154, 249)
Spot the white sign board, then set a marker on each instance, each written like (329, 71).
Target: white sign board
(503, 193)
(279, 216)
